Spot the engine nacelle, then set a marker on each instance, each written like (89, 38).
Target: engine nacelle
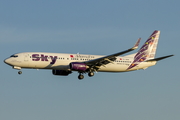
(78, 66)
(61, 72)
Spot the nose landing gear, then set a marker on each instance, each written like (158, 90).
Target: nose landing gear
(19, 72)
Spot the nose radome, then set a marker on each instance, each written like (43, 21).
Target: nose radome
(6, 61)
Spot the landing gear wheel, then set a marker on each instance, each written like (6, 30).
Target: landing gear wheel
(80, 77)
(90, 74)
(20, 72)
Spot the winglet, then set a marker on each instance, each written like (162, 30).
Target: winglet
(137, 44)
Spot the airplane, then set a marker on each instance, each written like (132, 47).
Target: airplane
(64, 64)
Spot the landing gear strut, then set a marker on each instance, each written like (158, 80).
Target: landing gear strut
(20, 72)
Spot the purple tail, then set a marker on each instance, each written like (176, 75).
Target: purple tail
(147, 51)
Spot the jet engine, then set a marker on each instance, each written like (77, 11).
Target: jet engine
(77, 66)
(61, 72)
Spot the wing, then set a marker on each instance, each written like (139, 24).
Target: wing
(96, 63)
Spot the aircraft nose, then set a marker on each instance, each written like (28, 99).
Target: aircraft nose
(7, 61)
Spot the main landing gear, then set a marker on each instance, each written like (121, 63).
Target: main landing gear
(90, 74)
(81, 76)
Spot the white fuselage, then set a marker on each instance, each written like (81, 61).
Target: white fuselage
(60, 61)
(63, 64)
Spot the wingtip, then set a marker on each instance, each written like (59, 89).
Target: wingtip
(171, 55)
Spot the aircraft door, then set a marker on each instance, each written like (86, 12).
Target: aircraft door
(26, 60)
(26, 57)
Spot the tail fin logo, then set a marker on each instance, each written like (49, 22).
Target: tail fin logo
(147, 51)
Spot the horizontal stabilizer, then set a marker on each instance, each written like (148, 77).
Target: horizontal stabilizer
(160, 58)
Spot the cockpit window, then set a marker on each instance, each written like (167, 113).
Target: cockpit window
(14, 55)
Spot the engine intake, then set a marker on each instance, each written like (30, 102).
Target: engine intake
(77, 66)
(61, 72)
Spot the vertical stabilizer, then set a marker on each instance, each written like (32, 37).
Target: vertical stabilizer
(148, 50)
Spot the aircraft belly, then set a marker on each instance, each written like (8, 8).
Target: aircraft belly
(38, 64)
(143, 65)
(47, 65)
(113, 68)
